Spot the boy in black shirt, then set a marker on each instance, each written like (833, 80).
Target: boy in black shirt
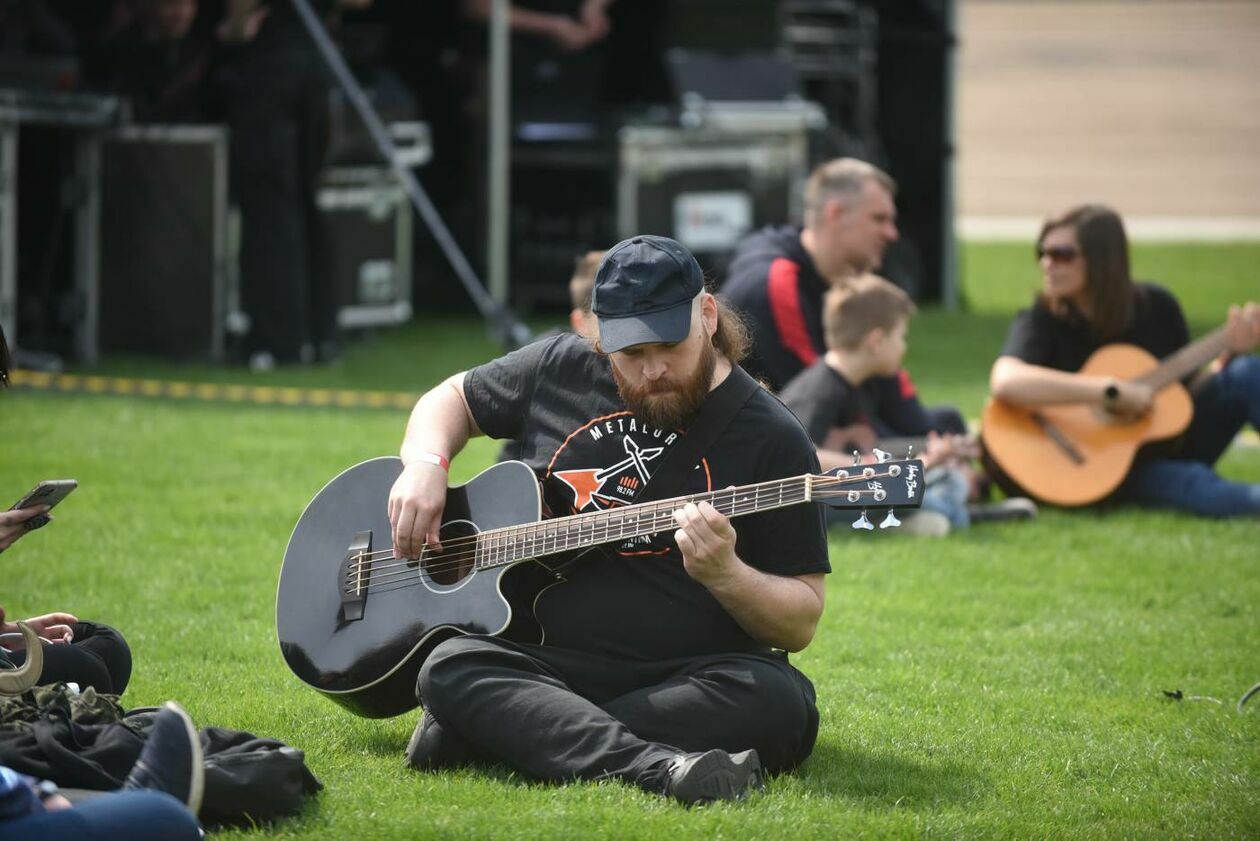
(865, 323)
(663, 659)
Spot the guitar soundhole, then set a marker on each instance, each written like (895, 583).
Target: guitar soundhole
(455, 561)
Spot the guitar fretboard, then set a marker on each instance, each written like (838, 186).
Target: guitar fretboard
(547, 537)
(1186, 361)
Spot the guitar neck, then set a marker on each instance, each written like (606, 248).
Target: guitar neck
(1186, 361)
(547, 537)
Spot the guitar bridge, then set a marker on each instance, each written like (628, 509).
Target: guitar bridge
(354, 575)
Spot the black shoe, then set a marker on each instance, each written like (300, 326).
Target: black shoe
(714, 775)
(171, 760)
(433, 747)
(1015, 508)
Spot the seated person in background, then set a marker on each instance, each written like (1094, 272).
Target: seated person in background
(778, 276)
(581, 286)
(1089, 300)
(85, 653)
(866, 321)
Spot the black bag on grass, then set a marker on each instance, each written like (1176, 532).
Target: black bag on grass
(252, 780)
(85, 741)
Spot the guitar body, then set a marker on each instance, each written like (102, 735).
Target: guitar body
(1026, 459)
(357, 624)
(369, 663)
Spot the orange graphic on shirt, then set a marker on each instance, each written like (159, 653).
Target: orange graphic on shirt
(587, 484)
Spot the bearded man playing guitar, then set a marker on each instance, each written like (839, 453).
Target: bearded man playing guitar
(663, 660)
(1069, 401)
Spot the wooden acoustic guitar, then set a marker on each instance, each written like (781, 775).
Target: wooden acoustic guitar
(1074, 454)
(356, 623)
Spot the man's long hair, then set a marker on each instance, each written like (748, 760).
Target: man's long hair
(1105, 249)
(731, 337)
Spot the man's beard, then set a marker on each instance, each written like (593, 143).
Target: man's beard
(670, 405)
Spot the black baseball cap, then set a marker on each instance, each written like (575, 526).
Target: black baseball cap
(644, 287)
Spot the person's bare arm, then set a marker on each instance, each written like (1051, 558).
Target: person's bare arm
(565, 32)
(779, 611)
(54, 627)
(1020, 383)
(440, 424)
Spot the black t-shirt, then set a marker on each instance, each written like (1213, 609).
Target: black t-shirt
(1040, 337)
(634, 600)
(821, 398)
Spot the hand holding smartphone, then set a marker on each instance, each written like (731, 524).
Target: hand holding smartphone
(49, 492)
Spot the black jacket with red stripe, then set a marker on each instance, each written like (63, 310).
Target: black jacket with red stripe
(772, 280)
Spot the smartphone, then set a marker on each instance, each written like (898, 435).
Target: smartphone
(49, 492)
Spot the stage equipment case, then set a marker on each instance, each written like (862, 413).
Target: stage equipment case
(724, 170)
(167, 279)
(366, 221)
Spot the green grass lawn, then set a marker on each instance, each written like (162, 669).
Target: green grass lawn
(1006, 682)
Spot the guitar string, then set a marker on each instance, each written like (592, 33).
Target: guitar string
(378, 575)
(448, 562)
(821, 483)
(384, 574)
(660, 521)
(666, 508)
(675, 503)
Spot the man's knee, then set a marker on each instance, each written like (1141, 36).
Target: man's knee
(446, 666)
(782, 713)
(106, 644)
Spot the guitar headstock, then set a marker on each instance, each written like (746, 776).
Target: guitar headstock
(886, 484)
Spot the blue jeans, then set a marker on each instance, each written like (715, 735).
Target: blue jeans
(121, 816)
(1188, 482)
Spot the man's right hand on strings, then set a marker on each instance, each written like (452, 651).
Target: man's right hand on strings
(415, 508)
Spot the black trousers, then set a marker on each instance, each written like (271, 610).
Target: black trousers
(98, 657)
(556, 714)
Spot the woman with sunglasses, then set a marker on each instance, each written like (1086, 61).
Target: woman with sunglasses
(1088, 299)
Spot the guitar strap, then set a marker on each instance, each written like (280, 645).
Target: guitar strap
(723, 404)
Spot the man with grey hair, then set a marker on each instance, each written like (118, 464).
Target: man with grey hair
(779, 274)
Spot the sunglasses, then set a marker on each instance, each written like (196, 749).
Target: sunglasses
(1059, 253)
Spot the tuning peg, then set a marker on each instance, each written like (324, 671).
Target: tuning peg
(857, 457)
(891, 521)
(881, 456)
(862, 522)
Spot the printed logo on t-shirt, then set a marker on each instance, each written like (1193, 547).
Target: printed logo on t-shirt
(606, 462)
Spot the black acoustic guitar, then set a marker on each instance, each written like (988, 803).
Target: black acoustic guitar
(356, 623)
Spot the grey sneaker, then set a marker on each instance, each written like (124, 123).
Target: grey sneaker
(171, 760)
(925, 523)
(696, 778)
(1015, 508)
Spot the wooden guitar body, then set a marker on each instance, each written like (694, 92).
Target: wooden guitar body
(1029, 459)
